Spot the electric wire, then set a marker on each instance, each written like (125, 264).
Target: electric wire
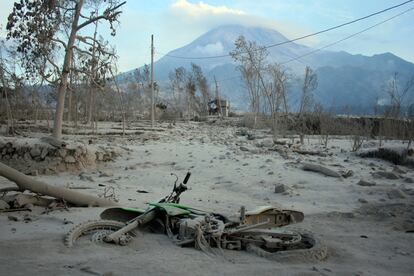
(333, 43)
(301, 37)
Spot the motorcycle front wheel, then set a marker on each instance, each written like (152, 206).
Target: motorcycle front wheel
(95, 231)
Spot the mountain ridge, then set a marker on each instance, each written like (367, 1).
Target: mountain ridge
(344, 77)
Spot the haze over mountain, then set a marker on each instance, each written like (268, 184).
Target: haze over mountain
(345, 80)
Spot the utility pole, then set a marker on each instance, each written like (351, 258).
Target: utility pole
(152, 82)
(218, 100)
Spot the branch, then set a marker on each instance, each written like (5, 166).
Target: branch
(59, 41)
(107, 15)
(52, 63)
(91, 76)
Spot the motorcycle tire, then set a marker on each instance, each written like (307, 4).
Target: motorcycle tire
(96, 229)
(310, 250)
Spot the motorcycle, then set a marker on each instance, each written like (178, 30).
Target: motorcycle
(259, 231)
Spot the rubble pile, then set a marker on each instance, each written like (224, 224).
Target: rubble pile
(36, 156)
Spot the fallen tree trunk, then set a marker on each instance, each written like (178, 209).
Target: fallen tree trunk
(308, 152)
(25, 182)
(320, 169)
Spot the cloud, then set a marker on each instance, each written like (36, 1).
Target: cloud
(202, 17)
(211, 49)
(202, 8)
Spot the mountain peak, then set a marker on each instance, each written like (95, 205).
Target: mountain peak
(227, 35)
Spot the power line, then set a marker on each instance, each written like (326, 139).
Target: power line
(301, 37)
(335, 42)
(346, 38)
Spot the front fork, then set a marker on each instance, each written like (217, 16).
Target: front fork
(142, 219)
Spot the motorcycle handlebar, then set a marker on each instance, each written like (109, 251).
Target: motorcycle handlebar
(187, 177)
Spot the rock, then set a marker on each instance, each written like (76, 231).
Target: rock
(387, 175)
(70, 159)
(53, 142)
(62, 153)
(106, 174)
(366, 183)
(242, 148)
(4, 205)
(35, 151)
(408, 180)
(280, 188)
(44, 153)
(396, 194)
(251, 136)
(13, 218)
(99, 156)
(399, 170)
(27, 157)
(86, 178)
(346, 174)
(362, 200)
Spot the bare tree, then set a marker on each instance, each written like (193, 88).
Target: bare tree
(44, 28)
(177, 82)
(310, 83)
(252, 65)
(275, 93)
(397, 94)
(203, 87)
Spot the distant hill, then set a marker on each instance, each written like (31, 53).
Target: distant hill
(354, 81)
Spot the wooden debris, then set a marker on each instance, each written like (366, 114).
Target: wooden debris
(24, 200)
(309, 152)
(25, 182)
(320, 169)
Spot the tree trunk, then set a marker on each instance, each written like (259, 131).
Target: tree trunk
(25, 182)
(60, 105)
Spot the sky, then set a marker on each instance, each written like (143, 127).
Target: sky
(176, 23)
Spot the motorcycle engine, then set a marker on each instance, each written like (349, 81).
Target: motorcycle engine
(189, 226)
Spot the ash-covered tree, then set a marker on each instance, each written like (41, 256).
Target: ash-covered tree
(48, 33)
(252, 66)
(203, 87)
(177, 84)
(310, 83)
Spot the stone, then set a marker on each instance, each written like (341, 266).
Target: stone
(408, 180)
(242, 148)
(34, 173)
(362, 200)
(280, 188)
(44, 153)
(106, 174)
(387, 175)
(86, 178)
(62, 152)
(4, 205)
(399, 170)
(13, 218)
(267, 143)
(27, 157)
(396, 194)
(70, 159)
(346, 174)
(366, 183)
(251, 136)
(35, 151)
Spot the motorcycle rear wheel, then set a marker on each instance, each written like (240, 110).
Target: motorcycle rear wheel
(309, 249)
